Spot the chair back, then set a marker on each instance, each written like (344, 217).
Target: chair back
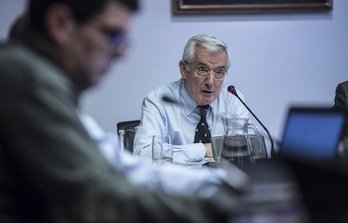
(126, 131)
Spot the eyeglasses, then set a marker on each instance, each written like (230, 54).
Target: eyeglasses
(116, 35)
(203, 72)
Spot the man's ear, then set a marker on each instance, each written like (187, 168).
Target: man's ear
(59, 23)
(183, 70)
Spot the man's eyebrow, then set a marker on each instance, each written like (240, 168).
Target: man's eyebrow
(205, 65)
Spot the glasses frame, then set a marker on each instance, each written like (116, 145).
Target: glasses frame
(117, 37)
(209, 72)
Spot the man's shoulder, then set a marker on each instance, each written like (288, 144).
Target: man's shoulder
(165, 90)
(17, 62)
(343, 84)
(19, 56)
(10, 51)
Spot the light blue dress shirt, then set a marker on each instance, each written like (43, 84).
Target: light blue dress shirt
(179, 120)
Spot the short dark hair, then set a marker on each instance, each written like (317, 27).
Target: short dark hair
(82, 9)
(16, 30)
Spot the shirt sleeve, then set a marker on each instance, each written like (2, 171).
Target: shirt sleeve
(189, 153)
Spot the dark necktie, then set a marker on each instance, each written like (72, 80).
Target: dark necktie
(202, 129)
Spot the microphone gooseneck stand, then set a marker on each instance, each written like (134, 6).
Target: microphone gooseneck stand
(233, 91)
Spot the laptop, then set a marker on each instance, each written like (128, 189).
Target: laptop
(312, 133)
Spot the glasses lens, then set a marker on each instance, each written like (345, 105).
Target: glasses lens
(119, 40)
(117, 36)
(220, 74)
(202, 72)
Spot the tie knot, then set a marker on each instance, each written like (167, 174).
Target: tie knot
(203, 110)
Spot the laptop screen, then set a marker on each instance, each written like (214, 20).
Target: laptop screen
(312, 133)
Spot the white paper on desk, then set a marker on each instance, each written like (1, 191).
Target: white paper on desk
(195, 163)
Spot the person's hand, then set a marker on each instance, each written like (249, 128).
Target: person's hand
(208, 149)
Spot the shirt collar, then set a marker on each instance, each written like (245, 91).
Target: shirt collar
(189, 104)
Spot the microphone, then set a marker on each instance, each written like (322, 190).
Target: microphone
(233, 91)
(169, 100)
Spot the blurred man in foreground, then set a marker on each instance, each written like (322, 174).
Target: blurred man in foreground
(51, 169)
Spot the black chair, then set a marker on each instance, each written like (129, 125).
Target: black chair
(126, 131)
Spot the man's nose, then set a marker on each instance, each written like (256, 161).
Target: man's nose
(209, 79)
(118, 52)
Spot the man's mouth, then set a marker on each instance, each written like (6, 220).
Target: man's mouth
(207, 92)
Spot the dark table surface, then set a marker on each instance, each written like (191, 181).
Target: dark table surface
(289, 191)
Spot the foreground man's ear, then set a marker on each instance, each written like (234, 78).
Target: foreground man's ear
(60, 22)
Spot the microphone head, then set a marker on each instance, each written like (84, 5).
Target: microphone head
(232, 89)
(169, 100)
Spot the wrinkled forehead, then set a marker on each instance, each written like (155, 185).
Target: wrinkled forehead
(207, 57)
